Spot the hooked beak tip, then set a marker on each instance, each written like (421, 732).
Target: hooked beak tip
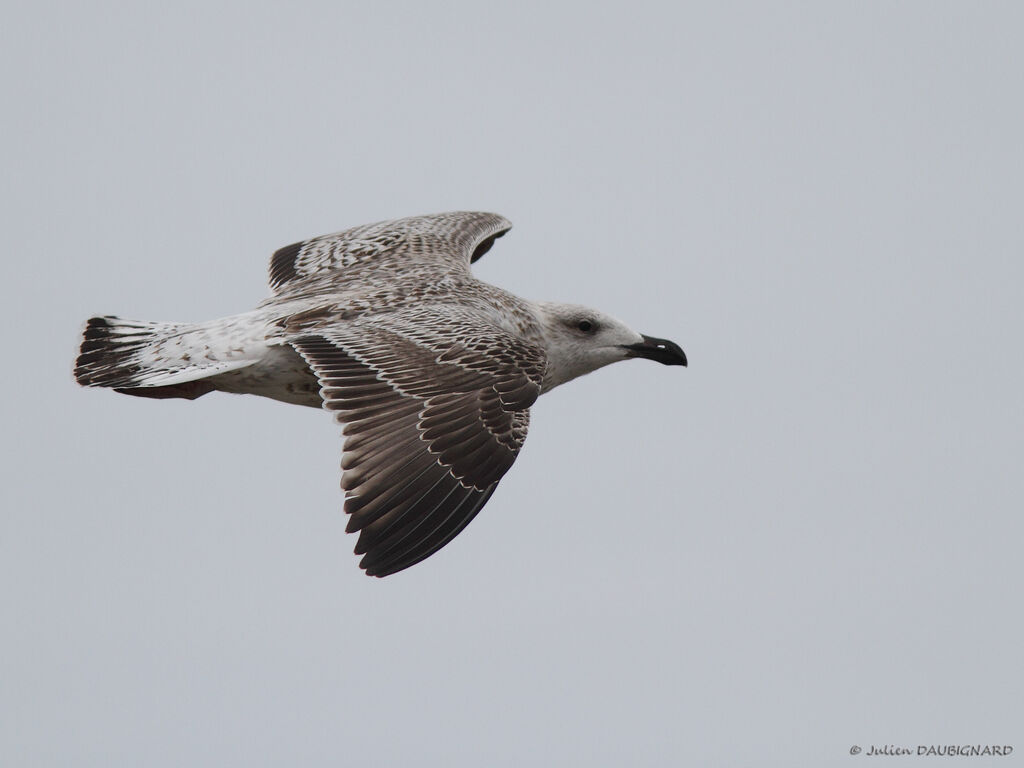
(660, 350)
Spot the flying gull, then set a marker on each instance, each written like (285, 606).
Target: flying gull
(430, 371)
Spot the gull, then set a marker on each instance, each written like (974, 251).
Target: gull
(430, 372)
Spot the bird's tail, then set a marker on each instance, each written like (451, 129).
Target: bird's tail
(157, 360)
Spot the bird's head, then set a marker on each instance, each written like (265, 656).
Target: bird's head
(580, 340)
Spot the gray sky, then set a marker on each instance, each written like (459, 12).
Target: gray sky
(809, 539)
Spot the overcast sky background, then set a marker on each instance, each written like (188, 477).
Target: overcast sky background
(809, 539)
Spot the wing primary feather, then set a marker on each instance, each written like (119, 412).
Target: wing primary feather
(456, 522)
(388, 527)
(391, 544)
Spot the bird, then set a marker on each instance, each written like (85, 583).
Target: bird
(430, 372)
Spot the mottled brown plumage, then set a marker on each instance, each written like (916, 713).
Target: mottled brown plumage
(430, 371)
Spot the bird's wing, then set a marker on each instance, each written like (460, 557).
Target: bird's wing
(429, 429)
(458, 238)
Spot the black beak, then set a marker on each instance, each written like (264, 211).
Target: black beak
(661, 350)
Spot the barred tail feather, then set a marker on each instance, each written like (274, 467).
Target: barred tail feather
(145, 359)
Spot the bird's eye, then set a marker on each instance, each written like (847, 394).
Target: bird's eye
(585, 325)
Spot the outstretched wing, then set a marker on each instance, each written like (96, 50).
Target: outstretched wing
(429, 431)
(460, 238)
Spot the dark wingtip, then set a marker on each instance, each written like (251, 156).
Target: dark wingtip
(485, 245)
(282, 264)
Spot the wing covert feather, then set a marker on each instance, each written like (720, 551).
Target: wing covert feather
(454, 240)
(428, 434)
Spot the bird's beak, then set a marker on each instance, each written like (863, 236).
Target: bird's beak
(661, 350)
